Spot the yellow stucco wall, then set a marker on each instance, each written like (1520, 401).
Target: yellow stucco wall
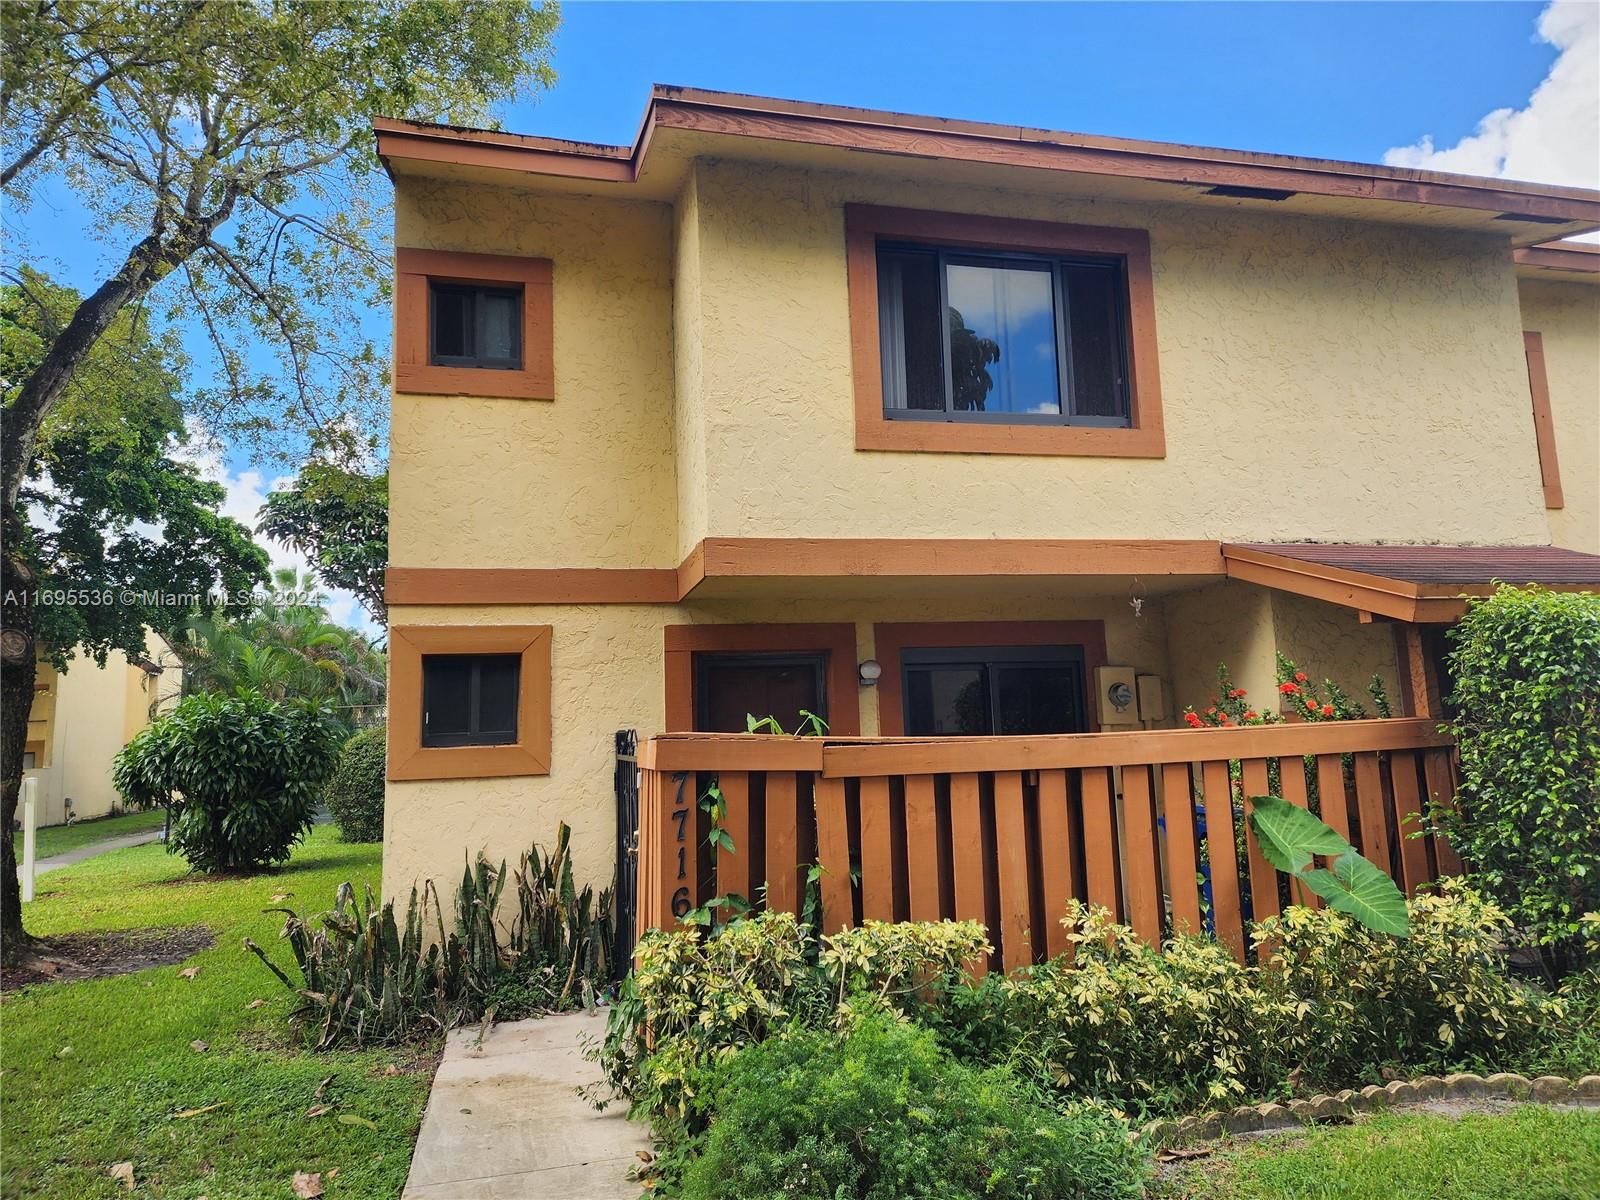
(1567, 316)
(607, 674)
(1321, 380)
(585, 480)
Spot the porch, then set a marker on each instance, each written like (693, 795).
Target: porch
(1005, 830)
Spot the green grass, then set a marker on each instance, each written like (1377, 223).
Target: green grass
(68, 1116)
(58, 839)
(1528, 1153)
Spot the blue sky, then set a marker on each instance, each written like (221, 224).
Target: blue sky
(1487, 88)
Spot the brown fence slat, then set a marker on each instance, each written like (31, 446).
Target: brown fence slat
(783, 842)
(1440, 775)
(1370, 809)
(833, 855)
(1224, 856)
(1263, 876)
(1011, 852)
(1408, 819)
(1330, 787)
(1292, 781)
(1058, 842)
(1183, 858)
(1099, 838)
(922, 848)
(734, 876)
(1142, 871)
(966, 840)
(877, 856)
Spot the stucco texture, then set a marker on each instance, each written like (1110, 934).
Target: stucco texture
(1321, 380)
(587, 479)
(1567, 317)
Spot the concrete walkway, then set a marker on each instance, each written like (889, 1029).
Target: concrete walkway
(505, 1121)
(69, 857)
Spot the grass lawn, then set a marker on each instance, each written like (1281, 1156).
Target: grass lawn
(58, 839)
(96, 1071)
(1528, 1153)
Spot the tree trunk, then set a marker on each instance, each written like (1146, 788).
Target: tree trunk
(18, 666)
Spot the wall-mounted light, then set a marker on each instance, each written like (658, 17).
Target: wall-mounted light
(870, 672)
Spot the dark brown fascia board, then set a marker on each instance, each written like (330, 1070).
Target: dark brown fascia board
(1580, 260)
(771, 119)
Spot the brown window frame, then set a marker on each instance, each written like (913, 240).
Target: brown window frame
(409, 759)
(414, 371)
(866, 225)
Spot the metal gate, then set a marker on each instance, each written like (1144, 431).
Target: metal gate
(627, 902)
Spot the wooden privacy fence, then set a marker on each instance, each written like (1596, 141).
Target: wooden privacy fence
(1005, 830)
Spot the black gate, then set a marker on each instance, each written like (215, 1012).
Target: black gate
(627, 904)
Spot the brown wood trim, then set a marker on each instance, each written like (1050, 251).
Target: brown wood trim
(1419, 682)
(530, 585)
(794, 558)
(865, 223)
(891, 639)
(1008, 145)
(1336, 585)
(682, 642)
(529, 755)
(1580, 258)
(1544, 426)
(412, 371)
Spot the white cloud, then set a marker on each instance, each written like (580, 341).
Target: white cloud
(1555, 137)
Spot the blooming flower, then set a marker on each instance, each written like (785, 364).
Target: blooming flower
(1236, 693)
(1311, 705)
(1250, 715)
(1299, 676)
(1288, 689)
(1194, 719)
(1327, 710)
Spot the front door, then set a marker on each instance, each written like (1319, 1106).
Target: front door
(982, 690)
(729, 688)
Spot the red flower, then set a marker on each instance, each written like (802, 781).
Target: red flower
(1193, 719)
(1212, 711)
(1236, 693)
(1299, 676)
(1250, 715)
(1226, 719)
(1288, 689)
(1327, 710)
(1311, 705)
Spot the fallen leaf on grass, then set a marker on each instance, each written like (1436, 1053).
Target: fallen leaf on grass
(1177, 1155)
(644, 1156)
(195, 1112)
(123, 1173)
(255, 1004)
(280, 897)
(352, 1119)
(189, 972)
(64, 1052)
(308, 1187)
(391, 1069)
(322, 1087)
(319, 1110)
(333, 1172)
(199, 1047)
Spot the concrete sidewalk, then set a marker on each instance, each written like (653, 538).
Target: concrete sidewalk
(505, 1121)
(77, 855)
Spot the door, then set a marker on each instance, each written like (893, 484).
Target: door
(991, 690)
(729, 688)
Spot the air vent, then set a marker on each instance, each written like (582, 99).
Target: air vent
(1532, 219)
(1247, 193)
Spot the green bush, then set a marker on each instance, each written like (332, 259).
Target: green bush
(240, 773)
(1526, 664)
(354, 792)
(881, 1113)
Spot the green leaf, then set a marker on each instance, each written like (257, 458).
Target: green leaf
(1290, 835)
(1357, 887)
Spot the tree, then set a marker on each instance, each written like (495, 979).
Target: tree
(340, 520)
(231, 142)
(117, 533)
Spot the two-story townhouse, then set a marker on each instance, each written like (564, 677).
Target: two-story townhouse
(932, 427)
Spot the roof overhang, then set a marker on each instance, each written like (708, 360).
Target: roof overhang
(1568, 262)
(1422, 584)
(682, 123)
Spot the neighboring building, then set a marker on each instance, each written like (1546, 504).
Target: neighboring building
(719, 422)
(81, 717)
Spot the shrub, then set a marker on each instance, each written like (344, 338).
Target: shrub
(354, 792)
(240, 773)
(881, 1113)
(1526, 664)
(1436, 998)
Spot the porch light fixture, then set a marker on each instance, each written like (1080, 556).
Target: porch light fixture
(870, 672)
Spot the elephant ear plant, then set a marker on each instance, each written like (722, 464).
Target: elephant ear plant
(1292, 839)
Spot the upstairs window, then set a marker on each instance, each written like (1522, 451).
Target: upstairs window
(470, 699)
(994, 336)
(474, 326)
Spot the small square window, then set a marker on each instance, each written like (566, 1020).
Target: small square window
(474, 326)
(470, 699)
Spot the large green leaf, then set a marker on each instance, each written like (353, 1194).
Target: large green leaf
(1357, 887)
(1289, 835)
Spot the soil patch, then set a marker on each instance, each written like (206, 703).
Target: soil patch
(69, 957)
